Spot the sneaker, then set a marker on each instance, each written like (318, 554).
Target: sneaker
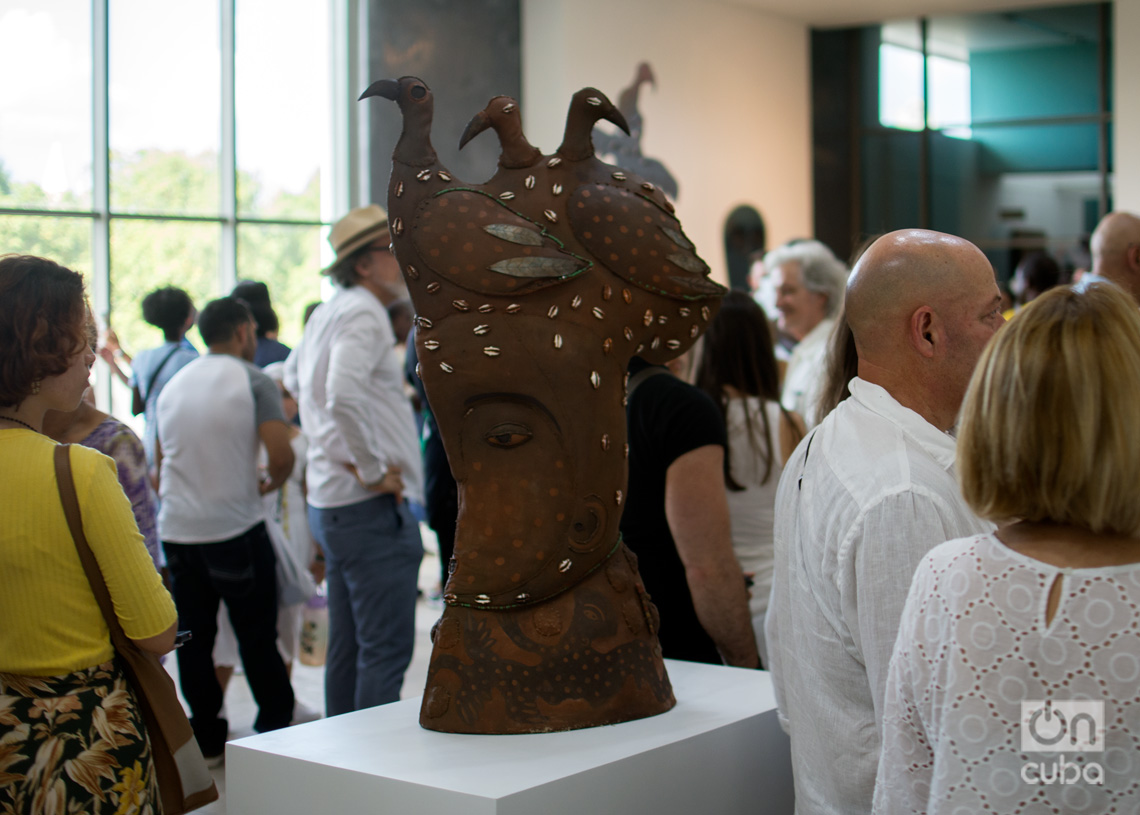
(303, 713)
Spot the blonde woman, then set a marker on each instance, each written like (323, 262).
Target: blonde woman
(1015, 680)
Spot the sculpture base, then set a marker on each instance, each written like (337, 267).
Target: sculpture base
(720, 750)
(587, 657)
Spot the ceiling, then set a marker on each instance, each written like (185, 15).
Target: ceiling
(959, 35)
(838, 13)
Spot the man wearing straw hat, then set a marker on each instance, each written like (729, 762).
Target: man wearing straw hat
(364, 460)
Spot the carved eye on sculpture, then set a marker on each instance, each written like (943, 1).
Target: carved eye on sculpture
(593, 613)
(508, 435)
(418, 92)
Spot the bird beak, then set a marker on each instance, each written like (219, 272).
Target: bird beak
(479, 122)
(614, 115)
(388, 88)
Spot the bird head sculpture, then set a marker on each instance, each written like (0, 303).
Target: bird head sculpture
(502, 114)
(532, 292)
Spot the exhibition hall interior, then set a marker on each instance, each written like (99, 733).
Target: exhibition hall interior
(575, 193)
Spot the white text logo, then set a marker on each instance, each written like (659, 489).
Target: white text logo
(1070, 726)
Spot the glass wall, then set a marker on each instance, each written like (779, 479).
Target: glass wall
(189, 144)
(996, 127)
(45, 106)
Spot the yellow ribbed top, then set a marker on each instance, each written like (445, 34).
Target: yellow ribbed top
(50, 623)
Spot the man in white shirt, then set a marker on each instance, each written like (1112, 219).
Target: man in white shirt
(364, 458)
(212, 417)
(865, 496)
(809, 290)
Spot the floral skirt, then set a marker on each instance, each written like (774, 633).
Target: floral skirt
(74, 743)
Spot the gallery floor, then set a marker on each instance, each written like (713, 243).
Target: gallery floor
(308, 683)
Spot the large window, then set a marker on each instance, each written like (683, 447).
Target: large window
(190, 144)
(913, 99)
(993, 126)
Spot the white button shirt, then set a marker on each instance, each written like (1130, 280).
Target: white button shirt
(350, 388)
(807, 367)
(860, 502)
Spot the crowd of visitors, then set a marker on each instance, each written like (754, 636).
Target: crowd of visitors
(924, 525)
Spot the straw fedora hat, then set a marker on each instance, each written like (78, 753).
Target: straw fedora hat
(358, 228)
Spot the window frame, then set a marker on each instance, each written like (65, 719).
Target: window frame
(350, 171)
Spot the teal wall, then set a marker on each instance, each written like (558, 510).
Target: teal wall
(1032, 83)
(1006, 85)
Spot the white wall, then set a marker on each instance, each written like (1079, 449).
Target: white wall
(731, 115)
(1126, 105)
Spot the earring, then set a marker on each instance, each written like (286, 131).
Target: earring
(36, 386)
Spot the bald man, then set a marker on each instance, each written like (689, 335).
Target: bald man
(864, 497)
(1115, 247)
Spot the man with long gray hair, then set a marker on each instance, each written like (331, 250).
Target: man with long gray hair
(809, 290)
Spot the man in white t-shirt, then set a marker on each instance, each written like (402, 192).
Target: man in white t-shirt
(212, 418)
(364, 459)
(864, 497)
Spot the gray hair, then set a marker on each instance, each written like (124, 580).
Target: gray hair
(820, 269)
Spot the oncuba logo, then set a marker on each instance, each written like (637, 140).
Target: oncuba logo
(1068, 726)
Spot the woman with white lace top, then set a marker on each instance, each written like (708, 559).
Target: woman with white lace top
(1015, 680)
(737, 368)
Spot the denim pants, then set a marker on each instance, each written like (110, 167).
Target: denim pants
(372, 563)
(241, 572)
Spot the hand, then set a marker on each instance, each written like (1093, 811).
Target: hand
(110, 348)
(391, 483)
(317, 570)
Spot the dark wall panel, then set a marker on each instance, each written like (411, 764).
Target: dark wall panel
(467, 51)
(835, 94)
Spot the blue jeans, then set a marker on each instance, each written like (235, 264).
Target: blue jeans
(372, 562)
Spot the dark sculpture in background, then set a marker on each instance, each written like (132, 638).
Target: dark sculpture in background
(624, 150)
(532, 293)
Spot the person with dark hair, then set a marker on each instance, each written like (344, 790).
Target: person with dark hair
(401, 314)
(74, 737)
(93, 428)
(841, 365)
(213, 417)
(1035, 274)
(676, 520)
(171, 310)
(364, 458)
(254, 292)
(737, 369)
(256, 295)
(309, 309)
(441, 493)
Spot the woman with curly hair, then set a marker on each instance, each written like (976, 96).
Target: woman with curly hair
(73, 737)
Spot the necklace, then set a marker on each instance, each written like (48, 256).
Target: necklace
(17, 421)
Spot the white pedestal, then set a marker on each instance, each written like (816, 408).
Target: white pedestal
(720, 750)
